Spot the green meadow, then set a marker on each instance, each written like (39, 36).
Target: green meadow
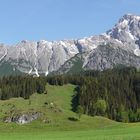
(56, 106)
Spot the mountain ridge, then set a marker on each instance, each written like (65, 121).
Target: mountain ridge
(43, 57)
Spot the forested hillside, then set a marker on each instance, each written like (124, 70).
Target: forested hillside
(20, 86)
(112, 93)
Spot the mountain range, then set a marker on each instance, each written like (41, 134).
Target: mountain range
(117, 46)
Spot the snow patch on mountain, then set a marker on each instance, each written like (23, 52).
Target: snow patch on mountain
(46, 73)
(3, 53)
(30, 71)
(36, 72)
(137, 52)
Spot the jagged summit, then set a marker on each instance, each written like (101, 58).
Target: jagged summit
(131, 16)
(127, 30)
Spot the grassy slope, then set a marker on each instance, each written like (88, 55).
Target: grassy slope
(60, 128)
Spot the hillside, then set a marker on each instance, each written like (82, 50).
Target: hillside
(56, 106)
(60, 127)
(113, 93)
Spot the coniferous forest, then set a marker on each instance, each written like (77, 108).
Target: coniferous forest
(111, 93)
(20, 86)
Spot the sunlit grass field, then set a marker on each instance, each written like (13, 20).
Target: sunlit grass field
(60, 127)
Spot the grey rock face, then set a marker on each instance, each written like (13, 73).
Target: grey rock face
(128, 32)
(43, 56)
(23, 118)
(120, 45)
(109, 56)
(39, 57)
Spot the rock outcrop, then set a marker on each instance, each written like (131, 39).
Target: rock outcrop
(23, 118)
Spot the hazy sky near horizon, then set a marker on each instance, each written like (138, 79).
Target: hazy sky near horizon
(60, 19)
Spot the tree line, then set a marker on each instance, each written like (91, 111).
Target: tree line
(21, 86)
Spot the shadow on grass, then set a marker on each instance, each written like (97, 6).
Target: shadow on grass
(74, 119)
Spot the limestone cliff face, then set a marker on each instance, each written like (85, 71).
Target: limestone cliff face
(120, 45)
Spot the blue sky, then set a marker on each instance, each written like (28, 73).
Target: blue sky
(60, 19)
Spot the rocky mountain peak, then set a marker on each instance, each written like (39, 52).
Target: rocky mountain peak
(131, 17)
(128, 26)
(127, 31)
